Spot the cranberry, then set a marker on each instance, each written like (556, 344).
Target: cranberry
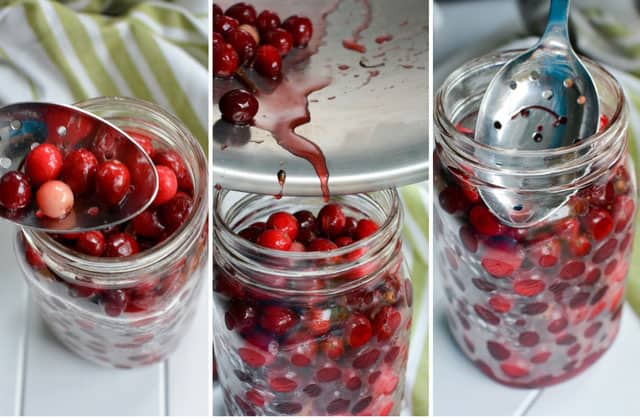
(238, 106)
(284, 222)
(225, 60)
(599, 223)
(357, 330)
(55, 199)
(251, 30)
(251, 233)
(580, 246)
(174, 213)
(485, 222)
(223, 24)
(15, 191)
(267, 21)
(91, 243)
(317, 321)
(173, 160)
(333, 347)
(281, 39)
(306, 219)
(529, 287)
(121, 245)
(366, 227)
(274, 239)
(350, 226)
(321, 245)
(343, 241)
(243, 43)
(243, 13)
(546, 253)
(217, 38)
(114, 301)
(167, 185)
(112, 182)
(502, 261)
(624, 208)
(144, 141)
(300, 28)
(386, 323)
(217, 10)
(331, 220)
(500, 304)
(241, 316)
(147, 224)
(79, 170)
(268, 62)
(277, 319)
(44, 163)
(302, 347)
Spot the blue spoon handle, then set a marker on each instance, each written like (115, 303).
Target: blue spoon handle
(558, 23)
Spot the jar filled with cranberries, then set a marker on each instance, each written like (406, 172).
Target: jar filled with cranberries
(538, 300)
(124, 296)
(312, 304)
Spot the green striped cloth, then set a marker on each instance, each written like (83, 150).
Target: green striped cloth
(416, 232)
(69, 51)
(610, 32)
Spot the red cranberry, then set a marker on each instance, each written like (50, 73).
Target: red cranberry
(580, 246)
(167, 185)
(147, 224)
(317, 321)
(485, 222)
(321, 245)
(243, 13)
(599, 223)
(243, 43)
(217, 38)
(306, 219)
(114, 301)
(112, 182)
(331, 220)
(302, 347)
(274, 239)
(144, 141)
(268, 62)
(238, 106)
(386, 323)
(623, 212)
(241, 316)
(251, 30)
(300, 28)
(217, 10)
(357, 330)
(121, 245)
(281, 39)
(546, 253)
(55, 199)
(277, 319)
(223, 24)
(91, 243)
(502, 261)
(251, 233)
(528, 287)
(267, 21)
(174, 213)
(15, 191)
(332, 347)
(79, 170)
(173, 160)
(366, 227)
(225, 60)
(284, 222)
(343, 241)
(43, 164)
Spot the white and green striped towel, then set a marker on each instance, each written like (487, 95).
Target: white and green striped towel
(70, 51)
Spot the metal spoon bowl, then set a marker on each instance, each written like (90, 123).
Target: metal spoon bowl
(24, 126)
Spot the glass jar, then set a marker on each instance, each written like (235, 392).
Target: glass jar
(534, 304)
(346, 352)
(131, 311)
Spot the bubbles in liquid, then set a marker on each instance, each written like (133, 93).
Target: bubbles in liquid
(537, 137)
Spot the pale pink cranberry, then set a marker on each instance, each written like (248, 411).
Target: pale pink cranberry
(55, 199)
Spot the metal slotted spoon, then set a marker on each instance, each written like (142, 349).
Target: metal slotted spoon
(23, 126)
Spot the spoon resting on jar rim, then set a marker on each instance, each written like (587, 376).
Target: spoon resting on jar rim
(64, 170)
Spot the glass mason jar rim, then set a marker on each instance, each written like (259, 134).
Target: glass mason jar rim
(101, 270)
(586, 150)
(374, 245)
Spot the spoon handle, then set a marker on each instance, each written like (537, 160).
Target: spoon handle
(557, 30)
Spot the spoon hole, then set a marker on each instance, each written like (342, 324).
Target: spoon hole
(547, 94)
(513, 85)
(62, 131)
(15, 125)
(518, 207)
(497, 125)
(535, 75)
(537, 137)
(5, 163)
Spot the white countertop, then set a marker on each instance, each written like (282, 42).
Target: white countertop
(39, 376)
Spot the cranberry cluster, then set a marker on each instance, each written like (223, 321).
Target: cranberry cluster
(535, 306)
(110, 180)
(318, 355)
(241, 37)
